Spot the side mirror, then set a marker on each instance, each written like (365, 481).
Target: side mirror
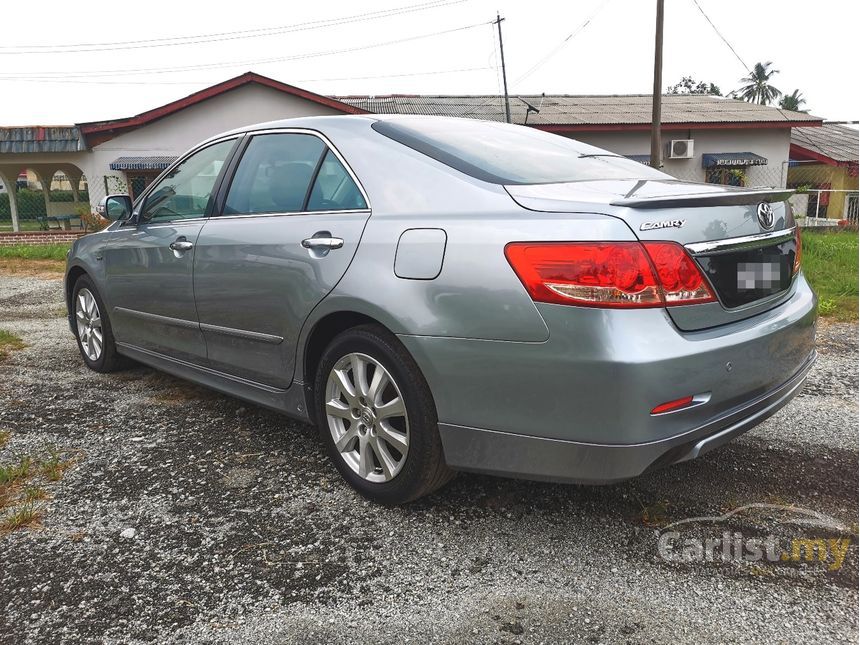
(115, 207)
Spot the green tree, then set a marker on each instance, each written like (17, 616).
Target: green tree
(758, 88)
(793, 101)
(689, 85)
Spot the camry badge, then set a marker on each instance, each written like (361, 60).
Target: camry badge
(765, 216)
(669, 223)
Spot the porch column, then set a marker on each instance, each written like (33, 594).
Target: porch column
(46, 188)
(12, 191)
(75, 183)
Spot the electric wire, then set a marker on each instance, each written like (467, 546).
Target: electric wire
(226, 35)
(260, 61)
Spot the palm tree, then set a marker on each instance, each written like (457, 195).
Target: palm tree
(758, 88)
(793, 101)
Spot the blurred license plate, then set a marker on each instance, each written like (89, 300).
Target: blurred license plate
(765, 276)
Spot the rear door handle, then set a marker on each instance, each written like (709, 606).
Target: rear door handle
(323, 243)
(181, 245)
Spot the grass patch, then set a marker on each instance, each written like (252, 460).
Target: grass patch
(53, 467)
(34, 494)
(15, 472)
(35, 251)
(34, 259)
(4, 437)
(26, 515)
(24, 487)
(830, 260)
(8, 343)
(23, 225)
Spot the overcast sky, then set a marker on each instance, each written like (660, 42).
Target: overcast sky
(812, 44)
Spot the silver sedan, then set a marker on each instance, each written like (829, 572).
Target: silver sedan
(443, 294)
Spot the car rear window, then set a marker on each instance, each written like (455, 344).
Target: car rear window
(502, 153)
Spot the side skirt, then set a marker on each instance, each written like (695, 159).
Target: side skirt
(290, 401)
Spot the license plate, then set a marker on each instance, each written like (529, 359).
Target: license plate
(766, 276)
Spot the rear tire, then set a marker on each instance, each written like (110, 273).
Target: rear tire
(377, 418)
(92, 328)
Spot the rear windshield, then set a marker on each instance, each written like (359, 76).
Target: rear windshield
(501, 153)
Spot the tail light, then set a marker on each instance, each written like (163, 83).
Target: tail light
(798, 245)
(681, 279)
(608, 274)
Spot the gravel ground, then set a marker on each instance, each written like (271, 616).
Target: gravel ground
(186, 516)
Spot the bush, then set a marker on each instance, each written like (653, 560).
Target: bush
(92, 221)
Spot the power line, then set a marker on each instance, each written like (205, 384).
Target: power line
(723, 38)
(223, 36)
(796, 131)
(562, 44)
(545, 58)
(260, 61)
(297, 80)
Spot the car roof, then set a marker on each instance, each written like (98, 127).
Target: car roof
(340, 120)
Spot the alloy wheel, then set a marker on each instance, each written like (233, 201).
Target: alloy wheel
(89, 323)
(367, 417)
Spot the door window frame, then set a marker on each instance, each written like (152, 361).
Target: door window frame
(231, 167)
(139, 203)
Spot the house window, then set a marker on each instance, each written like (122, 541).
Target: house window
(138, 181)
(851, 207)
(726, 176)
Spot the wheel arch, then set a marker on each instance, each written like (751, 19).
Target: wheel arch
(72, 276)
(321, 333)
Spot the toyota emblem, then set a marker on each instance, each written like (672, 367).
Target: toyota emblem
(765, 216)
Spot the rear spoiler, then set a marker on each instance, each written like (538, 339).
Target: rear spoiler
(720, 198)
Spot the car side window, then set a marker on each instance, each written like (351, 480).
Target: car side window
(333, 188)
(275, 174)
(184, 193)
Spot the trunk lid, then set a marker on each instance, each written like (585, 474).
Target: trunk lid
(748, 264)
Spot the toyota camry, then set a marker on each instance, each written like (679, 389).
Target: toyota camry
(443, 294)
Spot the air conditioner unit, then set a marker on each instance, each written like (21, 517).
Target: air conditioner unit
(681, 149)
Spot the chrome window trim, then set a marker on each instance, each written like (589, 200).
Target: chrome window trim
(141, 200)
(173, 222)
(326, 142)
(218, 218)
(741, 243)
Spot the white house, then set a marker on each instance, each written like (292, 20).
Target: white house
(127, 154)
(708, 138)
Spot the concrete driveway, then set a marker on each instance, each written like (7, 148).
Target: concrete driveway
(180, 515)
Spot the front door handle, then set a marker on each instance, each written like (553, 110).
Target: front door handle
(181, 245)
(325, 243)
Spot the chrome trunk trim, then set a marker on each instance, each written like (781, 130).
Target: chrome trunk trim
(741, 243)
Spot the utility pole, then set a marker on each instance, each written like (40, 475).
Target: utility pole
(656, 100)
(498, 22)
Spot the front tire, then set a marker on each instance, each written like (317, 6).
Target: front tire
(92, 328)
(377, 417)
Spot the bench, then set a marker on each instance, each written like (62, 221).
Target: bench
(65, 222)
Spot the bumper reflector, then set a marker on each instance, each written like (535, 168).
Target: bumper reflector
(677, 404)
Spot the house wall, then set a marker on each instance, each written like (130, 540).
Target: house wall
(175, 134)
(771, 143)
(819, 175)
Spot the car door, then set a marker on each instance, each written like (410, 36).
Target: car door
(290, 223)
(149, 260)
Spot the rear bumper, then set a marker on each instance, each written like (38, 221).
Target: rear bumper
(577, 407)
(516, 455)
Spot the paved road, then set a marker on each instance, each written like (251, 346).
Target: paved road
(243, 533)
